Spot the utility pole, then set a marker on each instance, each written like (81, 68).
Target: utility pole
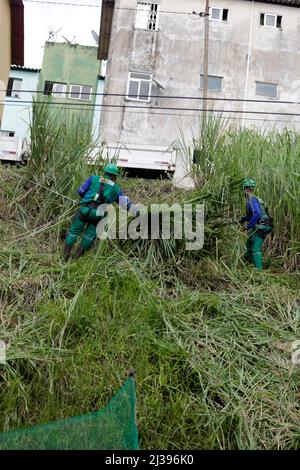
(205, 61)
(205, 14)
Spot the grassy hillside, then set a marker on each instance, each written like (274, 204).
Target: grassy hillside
(209, 337)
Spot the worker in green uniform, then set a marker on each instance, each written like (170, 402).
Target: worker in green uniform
(95, 191)
(259, 224)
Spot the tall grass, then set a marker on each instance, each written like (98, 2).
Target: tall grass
(223, 154)
(210, 338)
(60, 147)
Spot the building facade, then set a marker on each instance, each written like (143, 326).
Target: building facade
(70, 74)
(21, 88)
(155, 52)
(11, 41)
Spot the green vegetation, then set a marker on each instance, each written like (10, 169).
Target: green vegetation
(209, 337)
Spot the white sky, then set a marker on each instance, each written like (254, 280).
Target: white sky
(73, 20)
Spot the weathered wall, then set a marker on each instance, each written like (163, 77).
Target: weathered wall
(17, 117)
(174, 54)
(76, 65)
(5, 51)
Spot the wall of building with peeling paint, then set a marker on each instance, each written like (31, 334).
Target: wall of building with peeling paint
(174, 55)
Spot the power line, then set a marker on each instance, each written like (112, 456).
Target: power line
(53, 2)
(190, 115)
(177, 114)
(152, 108)
(160, 11)
(175, 97)
(63, 3)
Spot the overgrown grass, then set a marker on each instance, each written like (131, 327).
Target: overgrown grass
(223, 154)
(210, 338)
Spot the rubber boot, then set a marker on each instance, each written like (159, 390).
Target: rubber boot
(79, 252)
(67, 251)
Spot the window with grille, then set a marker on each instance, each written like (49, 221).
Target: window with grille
(219, 14)
(80, 92)
(147, 16)
(269, 90)
(57, 90)
(139, 87)
(14, 87)
(271, 21)
(215, 83)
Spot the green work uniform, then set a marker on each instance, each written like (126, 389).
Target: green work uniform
(94, 192)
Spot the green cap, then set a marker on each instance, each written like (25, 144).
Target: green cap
(249, 183)
(111, 169)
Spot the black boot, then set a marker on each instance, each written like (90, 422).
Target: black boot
(79, 252)
(67, 251)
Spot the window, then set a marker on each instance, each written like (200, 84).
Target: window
(7, 133)
(14, 87)
(80, 92)
(266, 89)
(147, 16)
(219, 14)
(272, 21)
(139, 86)
(214, 83)
(57, 90)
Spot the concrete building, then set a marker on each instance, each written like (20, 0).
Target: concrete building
(155, 67)
(70, 74)
(11, 41)
(21, 87)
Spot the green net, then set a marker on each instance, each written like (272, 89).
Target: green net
(112, 428)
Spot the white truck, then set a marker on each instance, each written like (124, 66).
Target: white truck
(13, 149)
(138, 156)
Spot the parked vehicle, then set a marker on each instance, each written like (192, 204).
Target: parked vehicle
(139, 156)
(13, 149)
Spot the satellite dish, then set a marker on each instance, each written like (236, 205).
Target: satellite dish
(67, 40)
(95, 36)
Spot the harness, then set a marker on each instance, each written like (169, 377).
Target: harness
(265, 218)
(98, 200)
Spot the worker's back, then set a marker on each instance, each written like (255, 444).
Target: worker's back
(102, 190)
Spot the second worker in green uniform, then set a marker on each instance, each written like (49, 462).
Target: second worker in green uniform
(259, 224)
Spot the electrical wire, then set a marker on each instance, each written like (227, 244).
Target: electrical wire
(183, 115)
(53, 2)
(91, 107)
(63, 3)
(176, 97)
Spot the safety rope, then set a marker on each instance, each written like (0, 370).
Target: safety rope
(37, 230)
(44, 187)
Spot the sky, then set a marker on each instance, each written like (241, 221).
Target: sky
(73, 20)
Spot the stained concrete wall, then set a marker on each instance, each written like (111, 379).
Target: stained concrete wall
(5, 52)
(174, 55)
